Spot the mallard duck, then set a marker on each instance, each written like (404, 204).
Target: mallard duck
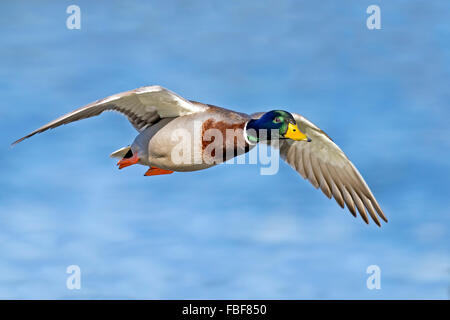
(161, 116)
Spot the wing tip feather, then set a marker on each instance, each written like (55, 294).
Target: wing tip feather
(18, 141)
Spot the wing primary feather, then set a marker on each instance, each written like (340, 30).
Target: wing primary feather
(363, 191)
(377, 207)
(349, 201)
(360, 206)
(63, 120)
(347, 197)
(370, 208)
(307, 165)
(298, 161)
(322, 182)
(334, 189)
(339, 184)
(326, 176)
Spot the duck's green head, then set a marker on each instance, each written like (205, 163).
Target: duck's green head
(282, 122)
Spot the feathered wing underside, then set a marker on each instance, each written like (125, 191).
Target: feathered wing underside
(143, 107)
(324, 164)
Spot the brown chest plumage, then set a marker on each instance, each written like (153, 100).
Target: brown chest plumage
(222, 141)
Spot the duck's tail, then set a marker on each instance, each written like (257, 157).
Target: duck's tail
(121, 153)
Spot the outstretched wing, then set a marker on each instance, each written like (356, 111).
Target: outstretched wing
(324, 164)
(143, 107)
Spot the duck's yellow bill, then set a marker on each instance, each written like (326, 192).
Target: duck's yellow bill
(294, 133)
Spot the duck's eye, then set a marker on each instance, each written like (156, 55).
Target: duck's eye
(277, 120)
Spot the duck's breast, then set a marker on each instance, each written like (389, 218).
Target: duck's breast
(199, 141)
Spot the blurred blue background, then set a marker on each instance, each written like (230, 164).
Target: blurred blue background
(226, 232)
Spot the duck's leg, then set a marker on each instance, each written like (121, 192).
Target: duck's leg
(154, 171)
(125, 162)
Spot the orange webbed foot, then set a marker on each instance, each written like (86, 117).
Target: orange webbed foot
(125, 162)
(154, 171)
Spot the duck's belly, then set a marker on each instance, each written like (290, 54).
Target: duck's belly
(194, 142)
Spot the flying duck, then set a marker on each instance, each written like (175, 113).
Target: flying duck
(212, 135)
